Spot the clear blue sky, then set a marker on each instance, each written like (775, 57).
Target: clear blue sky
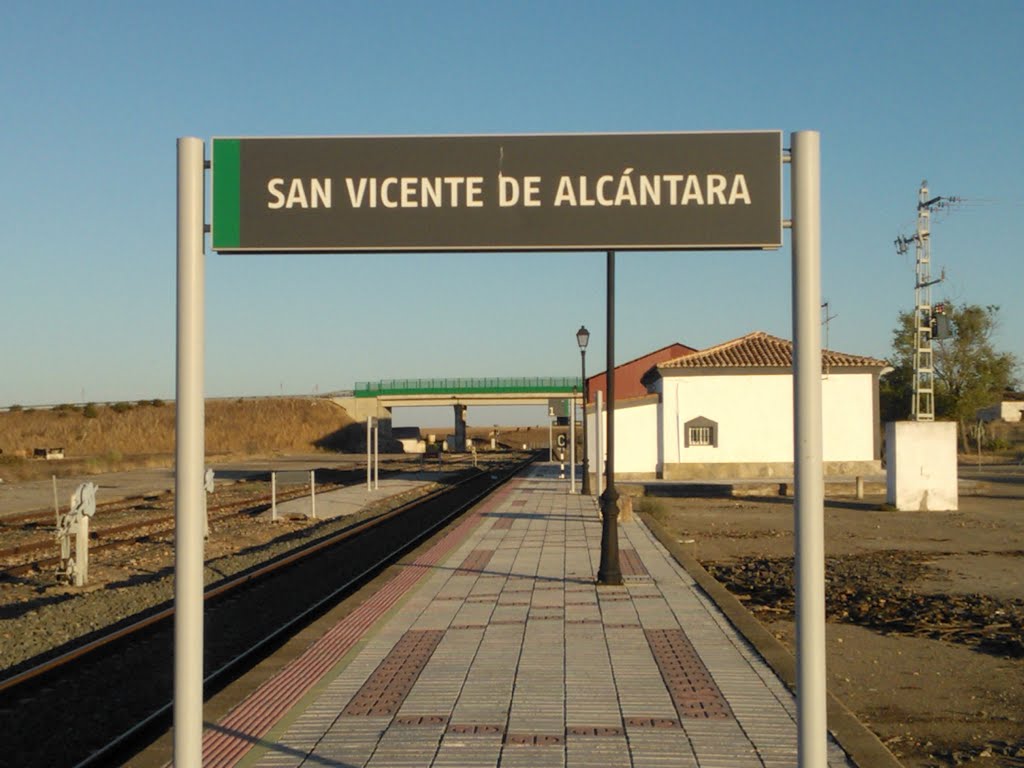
(95, 94)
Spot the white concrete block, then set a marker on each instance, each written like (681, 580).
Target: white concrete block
(921, 465)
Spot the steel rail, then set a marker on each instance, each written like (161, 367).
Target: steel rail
(103, 532)
(101, 506)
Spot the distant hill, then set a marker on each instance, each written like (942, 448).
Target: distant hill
(123, 435)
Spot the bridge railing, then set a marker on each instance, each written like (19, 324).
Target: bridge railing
(484, 386)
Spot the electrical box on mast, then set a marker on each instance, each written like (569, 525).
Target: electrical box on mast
(940, 325)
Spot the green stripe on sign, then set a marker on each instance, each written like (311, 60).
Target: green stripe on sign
(226, 173)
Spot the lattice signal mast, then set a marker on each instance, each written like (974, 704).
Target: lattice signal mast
(923, 406)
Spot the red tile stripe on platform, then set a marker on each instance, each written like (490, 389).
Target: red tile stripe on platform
(631, 564)
(229, 741)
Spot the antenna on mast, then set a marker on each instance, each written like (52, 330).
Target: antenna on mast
(923, 406)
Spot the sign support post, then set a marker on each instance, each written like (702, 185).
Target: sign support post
(189, 460)
(369, 453)
(809, 495)
(572, 443)
(609, 572)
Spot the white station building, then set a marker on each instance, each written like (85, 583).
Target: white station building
(727, 413)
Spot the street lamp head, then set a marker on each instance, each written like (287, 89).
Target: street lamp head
(582, 337)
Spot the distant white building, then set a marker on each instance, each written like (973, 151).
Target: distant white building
(727, 412)
(1004, 410)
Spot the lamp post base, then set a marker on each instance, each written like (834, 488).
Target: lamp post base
(609, 573)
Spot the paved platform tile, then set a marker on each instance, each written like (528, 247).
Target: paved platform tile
(508, 654)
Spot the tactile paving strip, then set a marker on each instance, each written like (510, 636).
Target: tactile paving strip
(245, 725)
(475, 728)
(422, 720)
(653, 722)
(477, 560)
(593, 730)
(383, 693)
(534, 739)
(694, 692)
(630, 563)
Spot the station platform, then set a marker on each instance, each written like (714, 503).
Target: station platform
(342, 502)
(496, 647)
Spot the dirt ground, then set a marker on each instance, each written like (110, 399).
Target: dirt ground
(925, 631)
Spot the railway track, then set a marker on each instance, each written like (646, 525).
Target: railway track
(110, 694)
(123, 522)
(20, 559)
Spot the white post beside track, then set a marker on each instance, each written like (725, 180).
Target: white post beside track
(273, 496)
(376, 454)
(189, 449)
(572, 445)
(809, 493)
(369, 454)
(82, 552)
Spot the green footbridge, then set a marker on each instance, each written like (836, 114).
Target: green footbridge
(526, 385)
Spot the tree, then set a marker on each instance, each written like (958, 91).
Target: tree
(969, 372)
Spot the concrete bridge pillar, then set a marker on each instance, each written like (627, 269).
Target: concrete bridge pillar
(384, 421)
(460, 428)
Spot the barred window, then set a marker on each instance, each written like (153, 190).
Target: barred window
(701, 436)
(701, 431)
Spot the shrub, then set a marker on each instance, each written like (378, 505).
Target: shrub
(121, 407)
(156, 402)
(90, 411)
(15, 408)
(654, 507)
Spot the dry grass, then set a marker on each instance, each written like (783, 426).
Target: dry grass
(118, 437)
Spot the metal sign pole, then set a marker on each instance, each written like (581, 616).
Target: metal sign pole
(572, 445)
(809, 496)
(369, 453)
(609, 572)
(189, 450)
(599, 441)
(312, 493)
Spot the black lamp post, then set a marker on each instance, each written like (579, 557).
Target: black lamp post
(609, 572)
(582, 337)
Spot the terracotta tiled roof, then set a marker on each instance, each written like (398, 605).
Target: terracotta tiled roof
(762, 350)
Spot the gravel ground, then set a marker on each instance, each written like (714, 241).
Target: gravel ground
(925, 633)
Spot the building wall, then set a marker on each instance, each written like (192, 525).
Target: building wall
(754, 417)
(1011, 410)
(636, 448)
(627, 375)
